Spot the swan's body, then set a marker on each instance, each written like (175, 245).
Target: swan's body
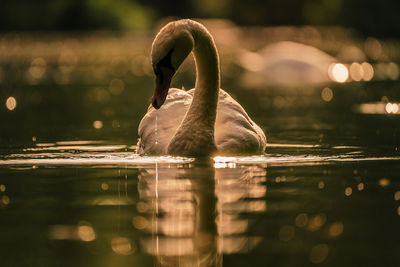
(201, 121)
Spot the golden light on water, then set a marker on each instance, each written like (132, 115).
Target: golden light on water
(319, 253)
(335, 229)
(169, 246)
(140, 222)
(392, 108)
(360, 186)
(86, 233)
(384, 71)
(321, 185)
(368, 71)
(122, 246)
(5, 200)
(392, 71)
(316, 222)
(356, 71)
(373, 48)
(224, 162)
(348, 191)
(11, 103)
(302, 220)
(2, 188)
(115, 124)
(142, 206)
(338, 72)
(38, 68)
(62, 232)
(286, 233)
(397, 195)
(98, 124)
(384, 182)
(280, 179)
(379, 108)
(117, 86)
(100, 95)
(104, 186)
(83, 232)
(327, 94)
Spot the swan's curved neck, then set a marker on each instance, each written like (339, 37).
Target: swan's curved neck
(199, 121)
(207, 75)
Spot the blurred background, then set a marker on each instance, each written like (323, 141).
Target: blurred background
(369, 17)
(81, 69)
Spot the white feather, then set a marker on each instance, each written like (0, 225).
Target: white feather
(235, 132)
(201, 120)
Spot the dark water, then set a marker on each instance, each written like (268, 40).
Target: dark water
(74, 193)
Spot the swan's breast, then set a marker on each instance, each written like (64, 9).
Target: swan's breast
(166, 120)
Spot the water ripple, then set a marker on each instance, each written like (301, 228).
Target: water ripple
(97, 154)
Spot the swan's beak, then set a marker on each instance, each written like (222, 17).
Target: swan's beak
(163, 80)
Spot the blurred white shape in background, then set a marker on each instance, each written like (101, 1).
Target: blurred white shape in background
(286, 63)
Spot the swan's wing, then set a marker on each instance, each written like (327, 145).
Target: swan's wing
(235, 131)
(168, 119)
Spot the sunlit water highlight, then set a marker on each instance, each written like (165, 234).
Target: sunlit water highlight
(156, 130)
(86, 153)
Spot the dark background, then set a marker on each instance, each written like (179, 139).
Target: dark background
(369, 17)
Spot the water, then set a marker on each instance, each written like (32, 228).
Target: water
(71, 203)
(74, 193)
(156, 130)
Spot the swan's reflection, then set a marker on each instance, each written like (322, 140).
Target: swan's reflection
(196, 213)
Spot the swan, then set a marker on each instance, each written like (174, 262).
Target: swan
(203, 121)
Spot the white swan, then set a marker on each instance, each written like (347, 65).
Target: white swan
(200, 122)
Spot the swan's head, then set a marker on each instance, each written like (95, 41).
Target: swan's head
(171, 46)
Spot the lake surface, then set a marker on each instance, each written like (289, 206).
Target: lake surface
(74, 193)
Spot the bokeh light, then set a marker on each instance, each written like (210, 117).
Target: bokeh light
(356, 71)
(38, 68)
(392, 108)
(98, 124)
(319, 253)
(397, 195)
(335, 229)
(302, 220)
(11, 103)
(286, 233)
(368, 71)
(327, 94)
(117, 86)
(104, 186)
(373, 48)
(86, 233)
(5, 200)
(316, 222)
(140, 222)
(393, 71)
(338, 72)
(384, 182)
(360, 186)
(348, 191)
(122, 245)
